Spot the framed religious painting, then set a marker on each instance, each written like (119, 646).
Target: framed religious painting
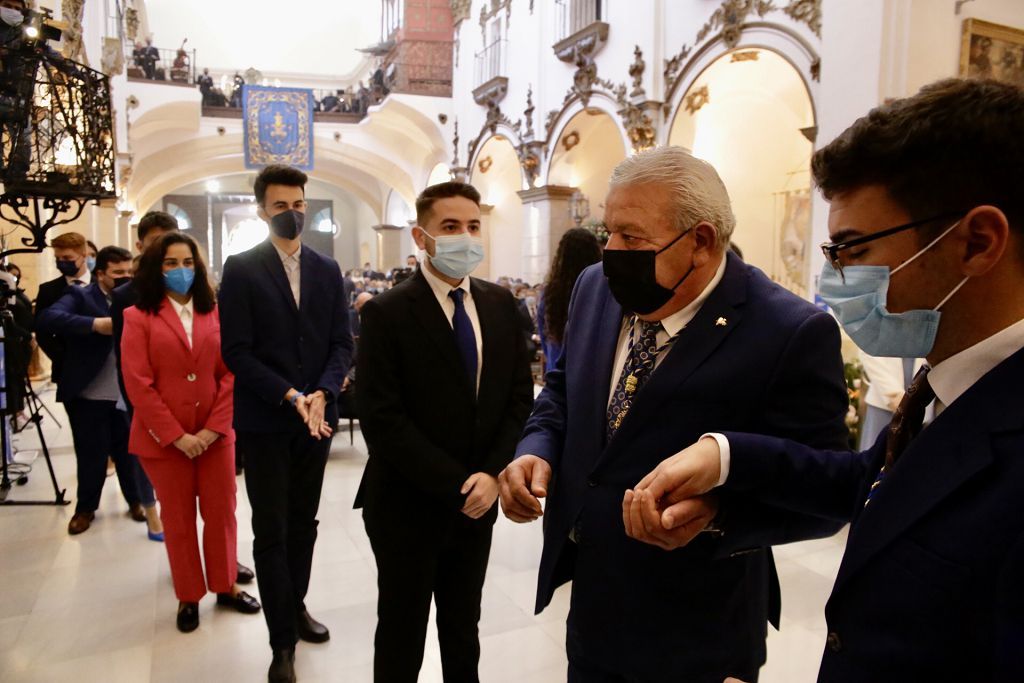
(992, 51)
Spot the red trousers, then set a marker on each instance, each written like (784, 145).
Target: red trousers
(179, 481)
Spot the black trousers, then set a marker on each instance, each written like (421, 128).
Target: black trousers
(283, 476)
(98, 430)
(447, 564)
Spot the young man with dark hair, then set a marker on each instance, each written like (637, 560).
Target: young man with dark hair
(70, 251)
(285, 335)
(926, 259)
(89, 388)
(444, 391)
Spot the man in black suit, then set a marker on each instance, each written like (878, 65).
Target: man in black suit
(285, 334)
(930, 587)
(89, 389)
(70, 250)
(444, 391)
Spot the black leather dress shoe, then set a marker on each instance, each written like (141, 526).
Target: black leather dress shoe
(309, 629)
(137, 512)
(241, 602)
(282, 667)
(188, 616)
(245, 575)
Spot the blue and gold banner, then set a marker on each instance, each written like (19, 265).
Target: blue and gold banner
(278, 126)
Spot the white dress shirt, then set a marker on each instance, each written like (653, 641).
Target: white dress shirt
(949, 379)
(291, 265)
(186, 314)
(670, 327)
(83, 281)
(441, 290)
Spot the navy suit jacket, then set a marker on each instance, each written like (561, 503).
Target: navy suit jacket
(272, 345)
(754, 354)
(51, 344)
(931, 586)
(85, 351)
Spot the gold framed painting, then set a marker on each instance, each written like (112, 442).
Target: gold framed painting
(992, 51)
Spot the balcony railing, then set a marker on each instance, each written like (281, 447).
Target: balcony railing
(161, 64)
(329, 105)
(491, 62)
(419, 79)
(575, 15)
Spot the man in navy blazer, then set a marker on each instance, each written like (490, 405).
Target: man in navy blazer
(670, 337)
(285, 335)
(89, 387)
(930, 587)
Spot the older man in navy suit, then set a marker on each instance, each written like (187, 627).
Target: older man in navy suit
(285, 334)
(930, 587)
(89, 387)
(670, 337)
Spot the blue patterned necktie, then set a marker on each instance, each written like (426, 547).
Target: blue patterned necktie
(465, 337)
(635, 373)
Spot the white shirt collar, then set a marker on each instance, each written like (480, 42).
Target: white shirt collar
(958, 373)
(86, 279)
(286, 257)
(442, 288)
(674, 323)
(178, 308)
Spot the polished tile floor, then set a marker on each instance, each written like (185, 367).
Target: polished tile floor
(100, 606)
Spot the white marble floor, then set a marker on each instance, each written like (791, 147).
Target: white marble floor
(100, 606)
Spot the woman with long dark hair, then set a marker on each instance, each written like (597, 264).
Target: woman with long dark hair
(577, 249)
(181, 427)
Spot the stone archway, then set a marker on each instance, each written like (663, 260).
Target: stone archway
(750, 114)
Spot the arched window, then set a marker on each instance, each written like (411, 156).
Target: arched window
(179, 215)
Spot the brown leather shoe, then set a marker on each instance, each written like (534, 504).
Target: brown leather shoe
(137, 512)
(80, 522)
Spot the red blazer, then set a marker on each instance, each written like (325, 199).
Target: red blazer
(174, 389)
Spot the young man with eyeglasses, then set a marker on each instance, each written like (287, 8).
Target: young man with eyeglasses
(926, 259)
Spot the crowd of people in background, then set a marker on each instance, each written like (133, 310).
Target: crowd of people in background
(353, 99)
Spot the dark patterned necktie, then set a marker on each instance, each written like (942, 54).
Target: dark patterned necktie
(465, 337)
(906, 423)
(635, 373)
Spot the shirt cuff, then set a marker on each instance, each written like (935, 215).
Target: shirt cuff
(724, 454)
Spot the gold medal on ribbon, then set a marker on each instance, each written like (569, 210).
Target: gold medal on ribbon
(631, 383)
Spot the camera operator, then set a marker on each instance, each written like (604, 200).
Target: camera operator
(17, 338)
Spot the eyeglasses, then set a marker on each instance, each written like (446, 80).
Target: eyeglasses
(831, 250)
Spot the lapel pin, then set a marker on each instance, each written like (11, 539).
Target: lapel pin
(721, 322)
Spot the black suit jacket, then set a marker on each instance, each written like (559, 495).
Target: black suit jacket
(86, 351)
(425, 430)
(930, 587)
(272, 345)
(52, 344)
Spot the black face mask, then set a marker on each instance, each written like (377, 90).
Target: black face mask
(118, 281)
(288, 224)
(632, 278)
(68, 268)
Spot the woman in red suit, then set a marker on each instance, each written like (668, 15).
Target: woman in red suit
(181, 427)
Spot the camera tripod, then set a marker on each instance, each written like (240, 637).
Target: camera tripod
(36, 407)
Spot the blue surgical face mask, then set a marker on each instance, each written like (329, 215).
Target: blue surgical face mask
(90, 263)
(456, 255)
(179, 280)
(858, 299)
